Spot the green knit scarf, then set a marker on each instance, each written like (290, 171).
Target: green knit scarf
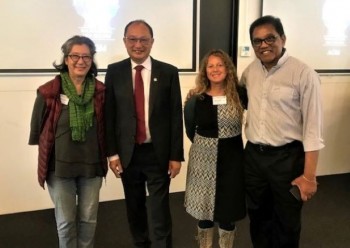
(81, 108)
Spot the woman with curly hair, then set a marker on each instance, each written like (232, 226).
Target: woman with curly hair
(215, 176)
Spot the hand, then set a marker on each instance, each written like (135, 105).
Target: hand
(116, 167)
(174, 168)
(307, 187)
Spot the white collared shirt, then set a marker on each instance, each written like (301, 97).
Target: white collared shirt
(284, 104)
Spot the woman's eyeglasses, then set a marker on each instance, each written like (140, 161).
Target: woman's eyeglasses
(75, 57)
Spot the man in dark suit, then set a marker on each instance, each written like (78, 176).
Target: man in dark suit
(154, 160)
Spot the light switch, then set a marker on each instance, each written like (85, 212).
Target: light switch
(245, 51)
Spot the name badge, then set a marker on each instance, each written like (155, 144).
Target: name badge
(219, 100)
(64, 99)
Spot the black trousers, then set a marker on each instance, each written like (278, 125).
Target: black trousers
(145, 171)
(275, 215)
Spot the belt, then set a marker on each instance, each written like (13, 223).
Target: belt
(268, 148)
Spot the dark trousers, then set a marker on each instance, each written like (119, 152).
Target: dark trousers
(145, 171)
(275, 215)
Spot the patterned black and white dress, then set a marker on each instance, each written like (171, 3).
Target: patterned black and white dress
(215, 175)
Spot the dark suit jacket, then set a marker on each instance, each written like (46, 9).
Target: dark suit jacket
(165, 112)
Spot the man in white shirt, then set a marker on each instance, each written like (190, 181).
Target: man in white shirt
(284, 132)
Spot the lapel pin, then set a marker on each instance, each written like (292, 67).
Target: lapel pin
(155, 79)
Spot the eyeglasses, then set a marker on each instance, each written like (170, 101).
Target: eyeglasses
(75, 58)
(268, 40)
(133, 40)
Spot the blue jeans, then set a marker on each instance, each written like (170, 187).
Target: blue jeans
(76, 203)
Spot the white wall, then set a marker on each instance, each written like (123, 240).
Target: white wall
(20, 191)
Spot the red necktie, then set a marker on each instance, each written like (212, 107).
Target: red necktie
(139, 98)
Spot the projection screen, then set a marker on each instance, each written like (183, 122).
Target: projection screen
(318, 31)
(34, 30)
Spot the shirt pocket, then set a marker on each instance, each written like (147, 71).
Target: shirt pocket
(283, 97)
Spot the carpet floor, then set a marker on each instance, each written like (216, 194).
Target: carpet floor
(326, 222)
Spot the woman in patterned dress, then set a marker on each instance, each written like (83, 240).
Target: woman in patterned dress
(215, 176)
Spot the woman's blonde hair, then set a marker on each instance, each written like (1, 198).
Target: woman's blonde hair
(230, 82)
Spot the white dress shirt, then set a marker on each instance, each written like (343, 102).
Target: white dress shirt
(284, 104)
